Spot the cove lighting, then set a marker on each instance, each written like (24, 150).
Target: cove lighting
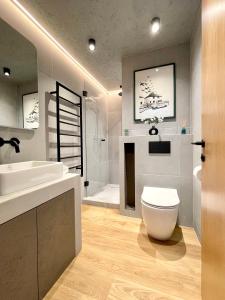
(114, 92)
(59, 46)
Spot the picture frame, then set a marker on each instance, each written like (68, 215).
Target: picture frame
(155, 93)
(30, 103)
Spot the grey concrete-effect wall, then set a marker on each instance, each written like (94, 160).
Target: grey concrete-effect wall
(180, 55)
(114, 103)
(196, 118)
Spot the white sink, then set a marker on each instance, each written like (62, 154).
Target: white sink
(18, 176)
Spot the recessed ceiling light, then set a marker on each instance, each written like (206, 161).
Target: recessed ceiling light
(6, 71)
(157, 70)
(91, 44)
(155, 25)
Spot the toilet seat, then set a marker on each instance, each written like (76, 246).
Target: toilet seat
(161, 198)
(156, 206)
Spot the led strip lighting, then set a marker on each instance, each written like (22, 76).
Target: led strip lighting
(115, 92)
(61, 48)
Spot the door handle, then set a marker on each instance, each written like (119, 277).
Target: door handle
(200, 143)
(202, 157)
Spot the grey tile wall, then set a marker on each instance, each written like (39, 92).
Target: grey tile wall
(164, 170)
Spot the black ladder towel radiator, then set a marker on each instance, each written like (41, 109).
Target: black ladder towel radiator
(77, 106)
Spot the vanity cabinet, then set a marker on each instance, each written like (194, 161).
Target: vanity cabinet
(18, 258)
(36, 247)
(56, 239)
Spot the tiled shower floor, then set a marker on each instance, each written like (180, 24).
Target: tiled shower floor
(109, 196)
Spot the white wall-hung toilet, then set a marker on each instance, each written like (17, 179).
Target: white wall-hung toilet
(160, 211)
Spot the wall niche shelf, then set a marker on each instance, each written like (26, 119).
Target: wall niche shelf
(129, 172)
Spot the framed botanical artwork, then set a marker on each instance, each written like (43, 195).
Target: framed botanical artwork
(31, 111)
(155, 92)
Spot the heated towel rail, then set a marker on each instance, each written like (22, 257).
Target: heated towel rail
(64, 108)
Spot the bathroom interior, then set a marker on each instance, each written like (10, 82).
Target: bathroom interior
(102, 155)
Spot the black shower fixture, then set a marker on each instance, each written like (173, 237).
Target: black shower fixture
(120, 93)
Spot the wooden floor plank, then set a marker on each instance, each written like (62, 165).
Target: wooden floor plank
(119, 261)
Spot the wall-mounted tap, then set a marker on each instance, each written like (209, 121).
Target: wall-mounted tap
(14, 142)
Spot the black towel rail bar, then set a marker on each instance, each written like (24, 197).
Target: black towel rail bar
(67, 123)
(77, 106)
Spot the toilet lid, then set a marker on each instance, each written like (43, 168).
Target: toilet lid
(160, 197)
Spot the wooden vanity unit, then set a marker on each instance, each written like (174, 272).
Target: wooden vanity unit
(37, 246)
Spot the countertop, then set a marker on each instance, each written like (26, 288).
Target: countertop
(14, 204)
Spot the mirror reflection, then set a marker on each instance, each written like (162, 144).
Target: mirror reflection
(19, 105)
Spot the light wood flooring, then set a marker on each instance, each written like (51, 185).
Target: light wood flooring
(118, 261)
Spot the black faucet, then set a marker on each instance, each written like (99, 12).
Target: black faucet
(14, 142)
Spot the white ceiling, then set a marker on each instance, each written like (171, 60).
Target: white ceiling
(120, 27)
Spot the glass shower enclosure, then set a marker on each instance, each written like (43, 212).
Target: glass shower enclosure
(96, 144)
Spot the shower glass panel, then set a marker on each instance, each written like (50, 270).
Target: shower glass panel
(96, 144)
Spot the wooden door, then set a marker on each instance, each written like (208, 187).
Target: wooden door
(213, 124)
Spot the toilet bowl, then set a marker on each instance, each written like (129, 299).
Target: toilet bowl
(160, 211)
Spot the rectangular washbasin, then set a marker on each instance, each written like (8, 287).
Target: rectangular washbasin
(18, 176)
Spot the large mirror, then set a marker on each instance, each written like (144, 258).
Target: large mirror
(19, 105)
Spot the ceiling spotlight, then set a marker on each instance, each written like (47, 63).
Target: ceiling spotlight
(6, 71)
(91, 44)
(155, 25)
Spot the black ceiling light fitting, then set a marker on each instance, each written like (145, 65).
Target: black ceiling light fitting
(6, 71)
(91, 45)
(155, 25)
(120, 93)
